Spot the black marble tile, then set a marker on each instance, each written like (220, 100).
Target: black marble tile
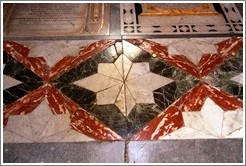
(19, 72)
(221, 76)
(83, 97)
(165, 95)
(140, 115)
(16, 70)
(111, 116)
(12, 94)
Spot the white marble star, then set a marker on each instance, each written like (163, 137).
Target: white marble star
(214, 120)
(124, 83)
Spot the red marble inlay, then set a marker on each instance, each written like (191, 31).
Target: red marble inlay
(25, 104)
(224, 100)
(15, 48)
(208, 62)
(226, 47)
(86, 52)
(59, 103)
(85, 123)
(168, 121)
(36, 64)
(39, 66)
(194, 99)
(5, 121)
(60, 67)
(179, 61)
(183, 63)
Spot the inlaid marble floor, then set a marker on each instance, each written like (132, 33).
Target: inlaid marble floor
(69, 91)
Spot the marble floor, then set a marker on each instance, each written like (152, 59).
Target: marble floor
(115, 90)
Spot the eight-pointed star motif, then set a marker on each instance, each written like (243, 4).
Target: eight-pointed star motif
(124, 83)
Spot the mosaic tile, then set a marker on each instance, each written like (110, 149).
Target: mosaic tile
(126, 90)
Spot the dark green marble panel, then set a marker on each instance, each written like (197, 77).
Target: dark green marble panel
(140, 115)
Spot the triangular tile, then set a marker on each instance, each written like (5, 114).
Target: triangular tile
(9, 82)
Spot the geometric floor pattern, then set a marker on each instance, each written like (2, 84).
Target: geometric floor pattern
(134, 89)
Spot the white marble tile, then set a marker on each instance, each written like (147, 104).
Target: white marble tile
(39, 119)
(97, 82)
(186, 48)
(233, 120)
(119, 65)
(238, 78)
(138, 69)
(187, 133)
(130, 102)
(110, 70)
(20, 125)
(9, 82)
(108, 96)
(141, 95)
(57, 124)
(240, 133)
(127, 64)
(213, 114)
(209, 119)
(120, 101)
(10, 137)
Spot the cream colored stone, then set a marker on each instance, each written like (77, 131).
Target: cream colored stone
(127, 64)
(97, 82)
(138, 69)
(119, 65)
(110, 70)
(121, 100)
(108, 96)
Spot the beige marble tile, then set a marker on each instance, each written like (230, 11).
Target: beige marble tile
(187, 133)
(127, 64)
(130, 102)
(186, 48)
(120, 101)
(233, 120)
(209, 40)
(142, 87)
(238, 78)
(108, 96)
(9, 82)
(206, 48)
(119, 65)
(39, 119)
(74, 136)
(138, 69)
(57, 124)
(20, 125)
(10, 137)
(110, 70)
(55, 50)
(102, 82)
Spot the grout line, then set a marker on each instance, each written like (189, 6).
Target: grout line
(126, 154)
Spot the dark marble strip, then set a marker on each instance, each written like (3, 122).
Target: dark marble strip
(89, 66)
(141, 115)
(14, 93)
(221, 76)
(18, 71)
(111, 116)
(83, 97)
